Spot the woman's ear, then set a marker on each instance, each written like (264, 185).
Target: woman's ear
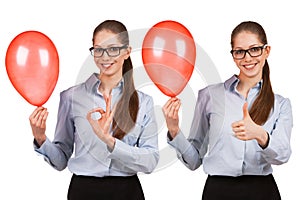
(268, 50)
(128, 51)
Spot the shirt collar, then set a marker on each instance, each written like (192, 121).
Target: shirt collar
(232, 83)
(93, 82)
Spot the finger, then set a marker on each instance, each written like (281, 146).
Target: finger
(241, 136)
(100, 110)
(238, 124)
(34, 118)
(89, 114)
(44, 119)
(177, 105)
(175, 109)
(107, 125)
(35, 113)
(238, 129)
(245, 111)
(168, 108)
(39, 117)
(108, 104)
(110, 117)
(113, 111)
(169, 102)
(173, 113)
(169, 105)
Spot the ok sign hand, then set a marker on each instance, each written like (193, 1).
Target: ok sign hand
(101, 126)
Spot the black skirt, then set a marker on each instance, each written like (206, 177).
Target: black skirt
(105, 188)
(246, 187)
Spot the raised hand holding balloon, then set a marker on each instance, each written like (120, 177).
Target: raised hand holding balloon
(32, 65)
(169, 54)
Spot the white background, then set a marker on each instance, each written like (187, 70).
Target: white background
(70, 24)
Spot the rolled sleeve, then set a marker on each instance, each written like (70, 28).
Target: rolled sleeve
(140, 151)
(186, 152)
(279, 150)
(58, 152)
(139, 159)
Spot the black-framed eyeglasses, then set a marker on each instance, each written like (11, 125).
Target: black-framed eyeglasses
(253, 52)
(110, 51)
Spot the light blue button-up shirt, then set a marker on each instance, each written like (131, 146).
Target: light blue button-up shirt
(136, 152)
(211, 141)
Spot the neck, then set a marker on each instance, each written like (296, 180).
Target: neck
(246, 83)
(108, 83)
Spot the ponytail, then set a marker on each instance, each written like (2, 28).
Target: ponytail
(264, 103)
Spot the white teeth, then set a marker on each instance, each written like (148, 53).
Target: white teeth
(249, 66)
(106, 65)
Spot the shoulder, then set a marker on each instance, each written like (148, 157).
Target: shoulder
(144, 98)
(213, 90)
(81, 89)
(146, 107)
(69, 92)
(282, 102)
(283, 109)
(212, 97)
(217, 89)
(280, 98)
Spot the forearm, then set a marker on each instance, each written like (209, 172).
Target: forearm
(52, 154)
(262, 137)
(109, 140)
(140, 159)
(186, 152)
(278, 151)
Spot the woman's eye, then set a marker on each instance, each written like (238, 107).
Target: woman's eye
(112, 49)
(238, 52)
(255, 49)
(98, 50)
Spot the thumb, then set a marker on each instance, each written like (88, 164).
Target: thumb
(245, 111)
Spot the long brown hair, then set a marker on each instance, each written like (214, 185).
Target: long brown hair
(128, 105)
(263, 104)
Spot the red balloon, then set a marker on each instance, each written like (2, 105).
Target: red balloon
(169, 54)
(32, 65)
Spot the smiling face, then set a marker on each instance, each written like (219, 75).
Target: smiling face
(108, 65)
(250, 67)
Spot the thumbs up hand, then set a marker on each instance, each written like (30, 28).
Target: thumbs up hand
(247, 129)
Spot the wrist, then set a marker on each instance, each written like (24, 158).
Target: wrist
(263, 139)
(173, 132)
(110, 142)
(40, 140)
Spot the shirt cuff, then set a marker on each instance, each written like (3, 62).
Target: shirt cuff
(268, 141)
(118, 150)
(36, 144)
(179, 142)
(41, 149)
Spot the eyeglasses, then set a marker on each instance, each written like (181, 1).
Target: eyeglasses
(253, 52)
(110, 51)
